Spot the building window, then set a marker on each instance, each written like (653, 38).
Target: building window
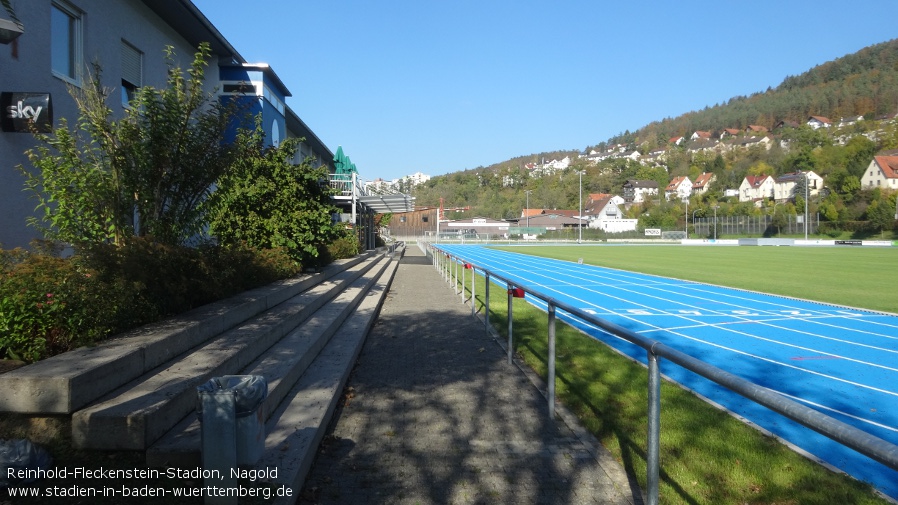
(65, 42)
(132, 72)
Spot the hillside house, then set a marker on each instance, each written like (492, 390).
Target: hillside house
(756, 187)
(754, 129)
(882, 172)
(730, 132)
(702, 182)
(636, 191)
(629, 155)
(747, 142)
(679, 188)
(850, 120)
(785, 185)
(785, 123)
(700, 135)
(816, 122)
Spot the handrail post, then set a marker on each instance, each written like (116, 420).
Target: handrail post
(653, 462)
(486, 302)
(463, 275)
(473, 294)
(551, 359)
(510, 325)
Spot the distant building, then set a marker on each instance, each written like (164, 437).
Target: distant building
(702, 182)
(679, 188)
(756, 187)
(816, 122)
(882, 172)
(785, 185)
(635, 191)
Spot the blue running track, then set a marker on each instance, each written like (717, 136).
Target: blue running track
(840, 361)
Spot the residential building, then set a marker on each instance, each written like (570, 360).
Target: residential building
(702, 182)
(679, 188)
(754, 129)
(882, 172)
(603, 211)
(730, 132)
(784, 186)
(816, 122)
(747, 142)
(756, 187)
(602, 206)
(636, 191)
(700, 135)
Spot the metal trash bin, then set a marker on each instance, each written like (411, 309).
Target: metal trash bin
(235, 400)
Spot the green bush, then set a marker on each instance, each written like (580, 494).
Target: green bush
(50, 305)
(346, 246)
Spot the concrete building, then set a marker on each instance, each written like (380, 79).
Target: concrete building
(62, 39)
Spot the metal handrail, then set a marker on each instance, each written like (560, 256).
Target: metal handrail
(869, 445)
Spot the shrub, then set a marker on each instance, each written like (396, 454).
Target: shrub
(49, 304)
(346, 246)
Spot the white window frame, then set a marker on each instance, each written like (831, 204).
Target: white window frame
(76, 44)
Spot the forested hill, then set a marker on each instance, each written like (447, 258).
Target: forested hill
(861, 84)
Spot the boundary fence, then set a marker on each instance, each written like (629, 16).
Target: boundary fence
(449, 266)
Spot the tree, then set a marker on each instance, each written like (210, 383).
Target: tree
(881, 213)
(268, 202)
(147, 174)
(173, 144)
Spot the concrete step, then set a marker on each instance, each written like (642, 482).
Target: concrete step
(69, 381)
(140, 412)
(282, 365)
(295, 429)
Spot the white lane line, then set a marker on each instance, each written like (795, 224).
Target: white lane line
(731, 330)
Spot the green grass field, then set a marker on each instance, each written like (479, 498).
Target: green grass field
(863, 277)
(707, 456)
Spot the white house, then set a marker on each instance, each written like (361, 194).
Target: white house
(700, 135)
(702, 182)
(784, 185)
(756, 187)
(882, 172)
(679, 188)
(604, 213)
(816, 122)
(636, 191)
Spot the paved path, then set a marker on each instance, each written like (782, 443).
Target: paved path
(434, 414)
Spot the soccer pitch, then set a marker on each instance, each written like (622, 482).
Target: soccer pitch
(861, 277)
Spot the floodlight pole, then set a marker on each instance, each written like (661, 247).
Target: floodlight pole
(806, 184)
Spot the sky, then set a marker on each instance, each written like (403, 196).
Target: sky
(436, 87)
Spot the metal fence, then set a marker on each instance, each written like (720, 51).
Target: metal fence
(788, 224)
(854, 438)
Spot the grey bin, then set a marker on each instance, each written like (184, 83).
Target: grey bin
(230, 407)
